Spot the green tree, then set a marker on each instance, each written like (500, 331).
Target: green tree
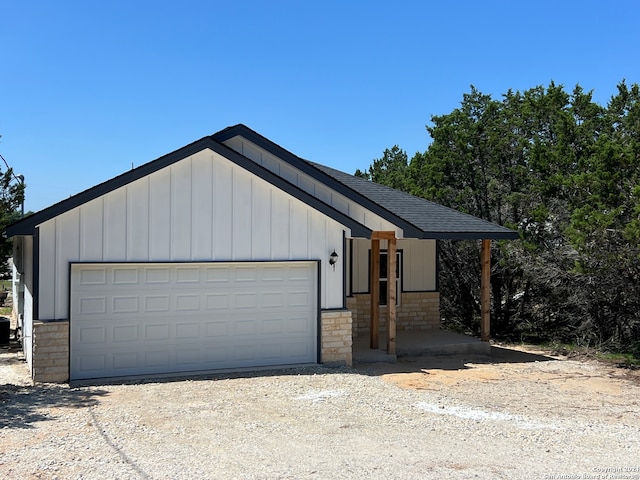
(563, 171)
(390, 170)
(11, 200)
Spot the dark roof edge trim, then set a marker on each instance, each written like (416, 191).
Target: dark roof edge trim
(28, 225)
(410, 230)
(357, 229)
(504, 235)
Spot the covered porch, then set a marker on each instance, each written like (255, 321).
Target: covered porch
(386, 339)
(413, 343)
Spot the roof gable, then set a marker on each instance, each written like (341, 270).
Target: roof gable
(418, 218)
(27, 225)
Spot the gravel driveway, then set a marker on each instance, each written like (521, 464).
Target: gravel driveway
(513, 415)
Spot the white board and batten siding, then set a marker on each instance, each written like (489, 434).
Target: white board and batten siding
(312, 186)
(23, 291)
(156, 318)
(418, 270)
(202, 208)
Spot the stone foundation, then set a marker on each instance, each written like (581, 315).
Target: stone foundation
(51, 345)
(336, 335)
(51, 352)
(417, 311)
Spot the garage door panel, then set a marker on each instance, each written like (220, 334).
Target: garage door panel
(185, 303)
(298, 299)
(125, 276)
(245, 274)
(92, 276)
(298, 325)
(244, 300)
(188, 356)
(125, 333)
(218, 328)
(92, 335)
(188, 275)
(125, 304)
(157, 358)
(93, 363)
(216, 274)
(188, 331)
(217, 301)
(125, 361)
(157, 303)
(156, 276)
(187, 318)
(272, 300)
(155, 332)
(273, 326)
(93, 305)
(244, 327)
(217, 356)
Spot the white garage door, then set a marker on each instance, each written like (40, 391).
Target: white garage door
(137, 319)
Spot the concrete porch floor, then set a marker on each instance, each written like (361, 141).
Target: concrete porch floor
(416, 343)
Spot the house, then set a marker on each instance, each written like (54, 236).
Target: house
(230, 252)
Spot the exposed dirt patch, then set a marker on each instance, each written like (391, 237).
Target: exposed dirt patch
(517, 378)
(517, 414)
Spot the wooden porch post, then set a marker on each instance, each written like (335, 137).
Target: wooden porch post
(485, 291)
(391, 296)
(374, 277)
(374, 289)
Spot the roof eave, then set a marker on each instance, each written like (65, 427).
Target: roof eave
(27, 226)
(478, 235)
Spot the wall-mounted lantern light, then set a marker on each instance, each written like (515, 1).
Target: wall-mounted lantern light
(333, 259)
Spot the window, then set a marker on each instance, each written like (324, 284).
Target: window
(384, 276)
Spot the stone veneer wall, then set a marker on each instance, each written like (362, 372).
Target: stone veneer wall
(336, 337)
(51, 351)
(417, 311)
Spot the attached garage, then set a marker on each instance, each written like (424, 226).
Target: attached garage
(140, 319)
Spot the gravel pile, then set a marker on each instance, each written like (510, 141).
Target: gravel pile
(516, 420)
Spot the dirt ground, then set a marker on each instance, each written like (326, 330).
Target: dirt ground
(536, 381)
(519, 413)
(507, 364)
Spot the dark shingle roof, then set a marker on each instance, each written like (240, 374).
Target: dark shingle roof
(418, 218)
(431, 219)
(27, 226)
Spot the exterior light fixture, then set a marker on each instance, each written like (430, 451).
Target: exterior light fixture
(333, 259)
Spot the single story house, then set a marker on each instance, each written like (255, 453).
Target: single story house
(230, 252)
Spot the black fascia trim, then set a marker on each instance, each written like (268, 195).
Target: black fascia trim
(498, 235)
(344, 269)
(409, 230)
(350, 267)
(357, 229)
(319, 312)
(27, 225)
(35, 276)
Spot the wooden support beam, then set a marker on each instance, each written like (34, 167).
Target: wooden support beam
(383, 235)
(391, 296)
(485, 291)
(374, 289)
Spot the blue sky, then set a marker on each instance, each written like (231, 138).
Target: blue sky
(88, 89)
